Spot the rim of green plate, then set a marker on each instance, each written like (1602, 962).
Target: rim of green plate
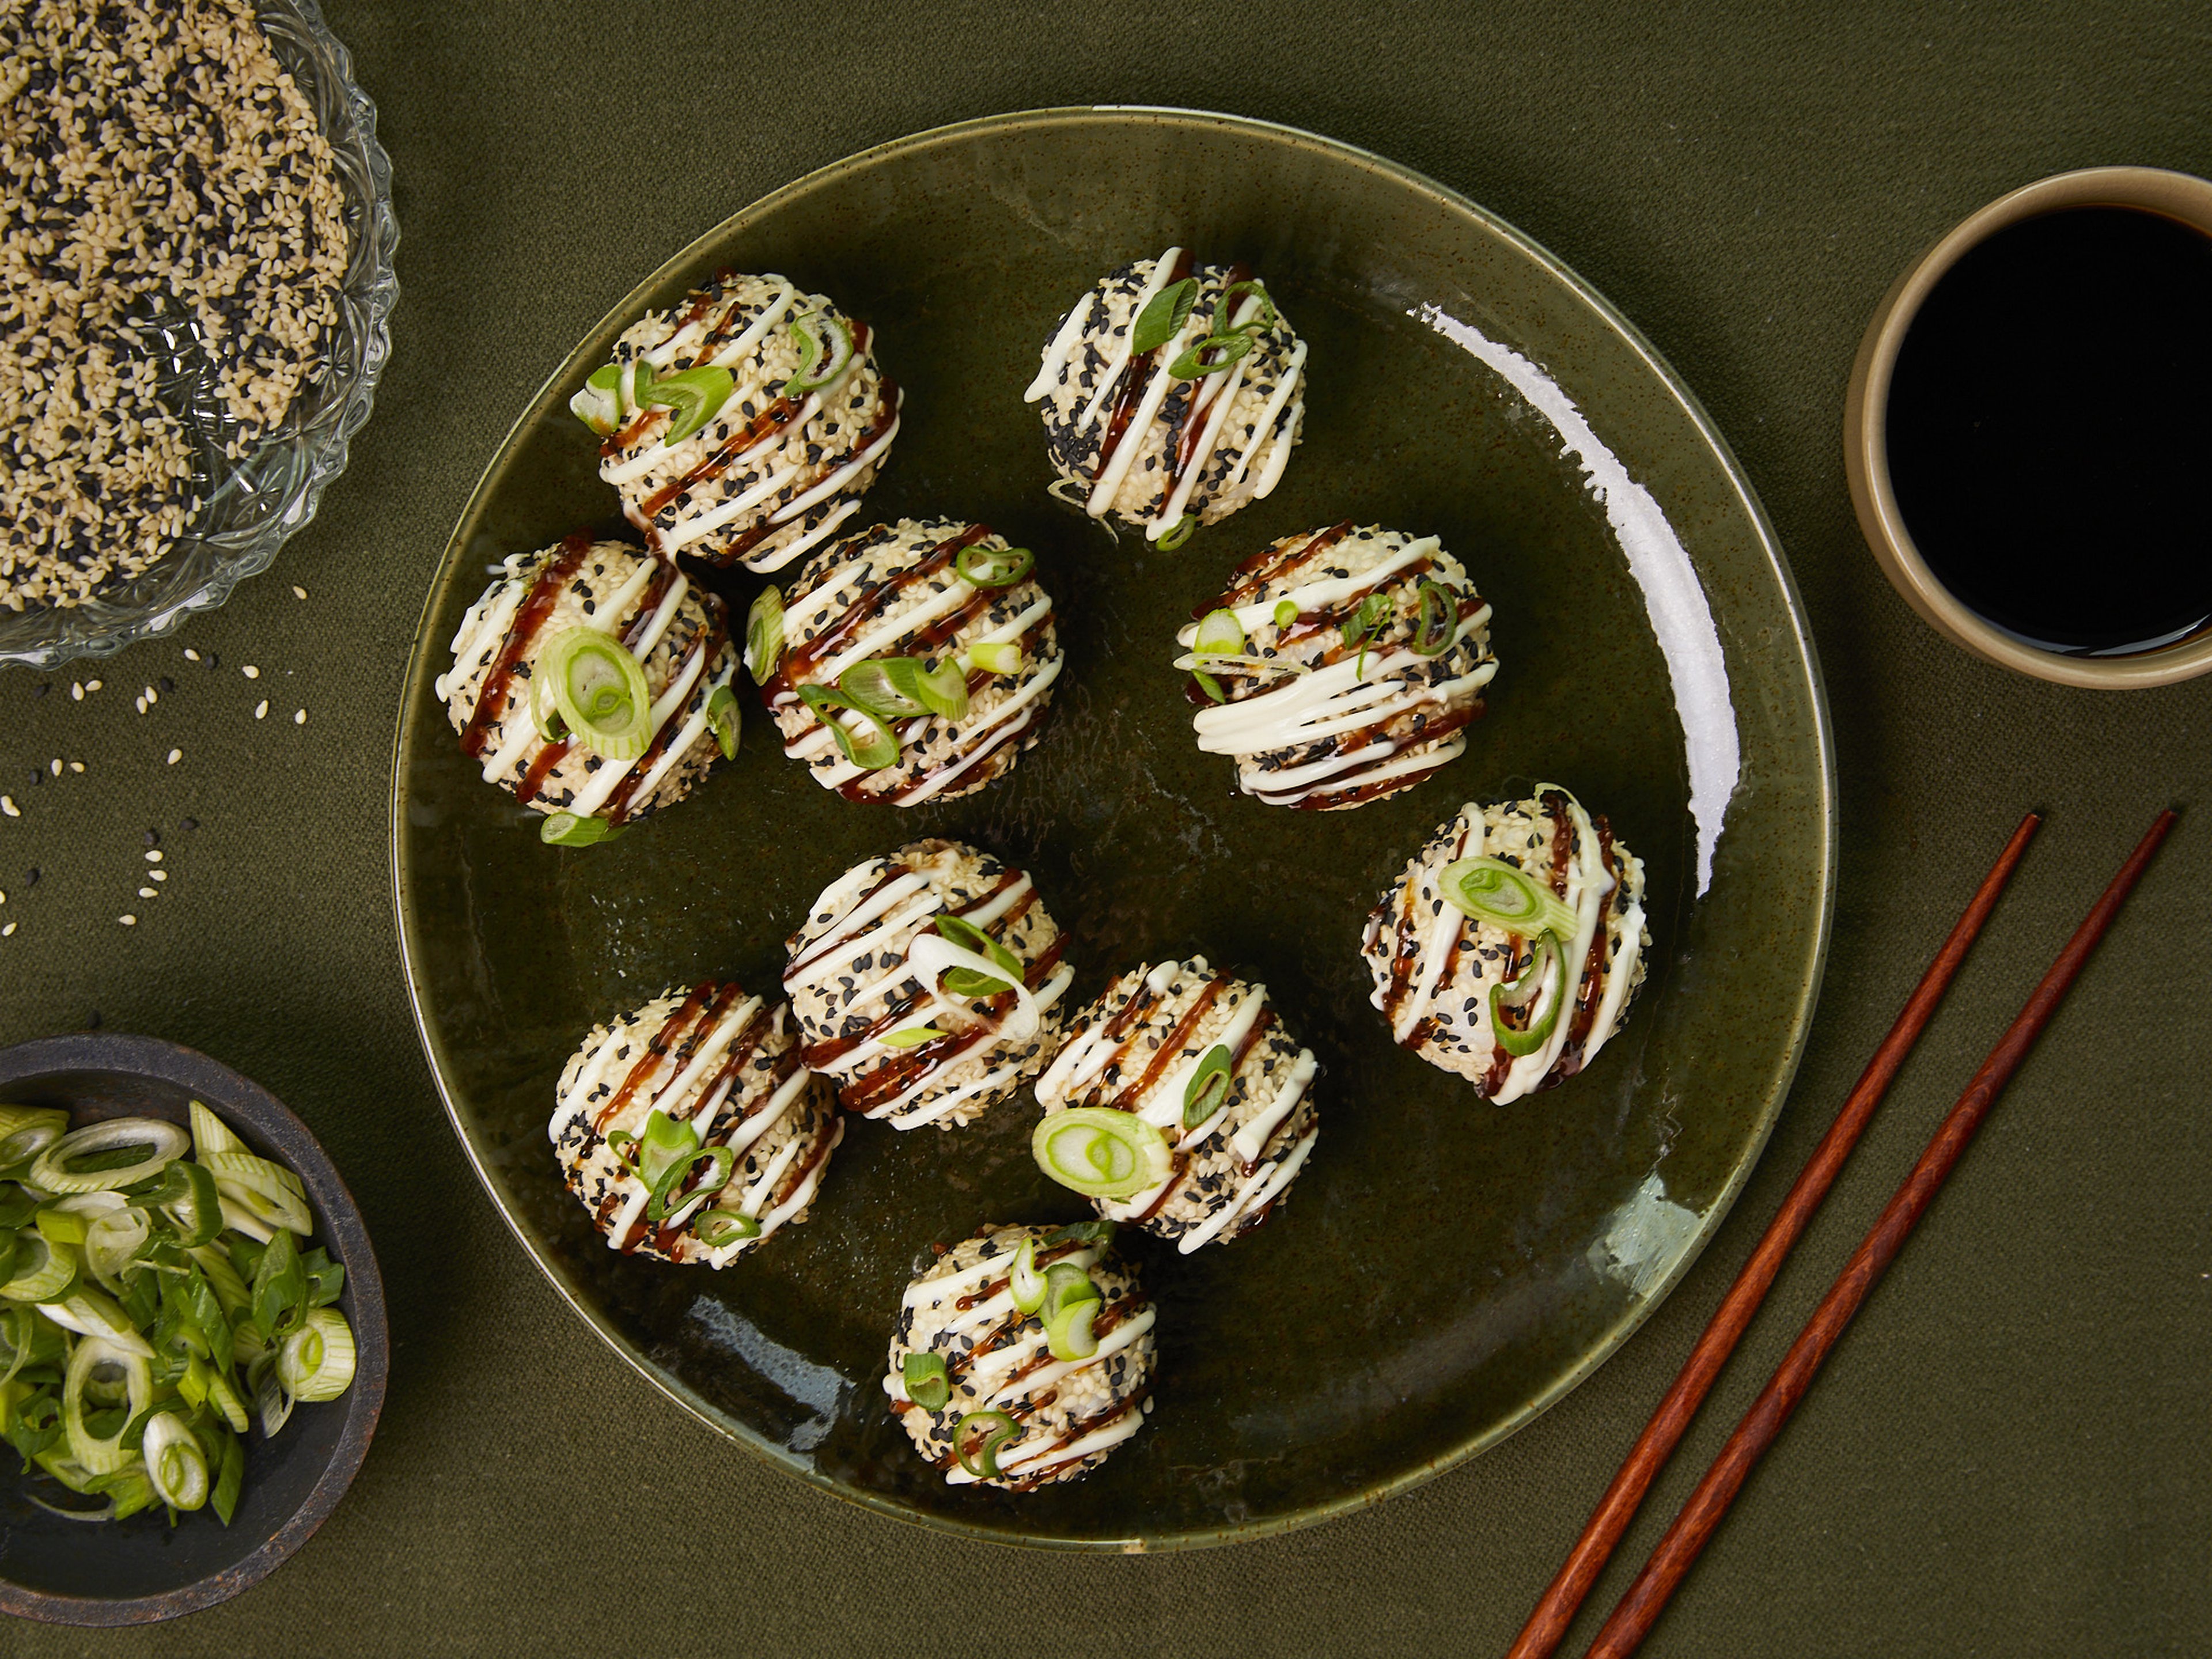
(420, 664)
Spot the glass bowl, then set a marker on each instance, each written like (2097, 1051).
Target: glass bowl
(252, 504)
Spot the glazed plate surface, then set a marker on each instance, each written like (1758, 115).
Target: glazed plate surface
(1443, 1270)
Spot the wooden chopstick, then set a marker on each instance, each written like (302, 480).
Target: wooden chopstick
(1678, 1551)
(1549, 1624)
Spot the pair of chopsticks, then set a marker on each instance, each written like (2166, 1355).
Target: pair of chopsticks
(1640, 1607)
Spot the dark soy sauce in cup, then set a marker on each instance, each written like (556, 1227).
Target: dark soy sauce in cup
(2050, 429)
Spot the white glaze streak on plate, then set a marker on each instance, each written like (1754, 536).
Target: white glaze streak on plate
(1672, 593)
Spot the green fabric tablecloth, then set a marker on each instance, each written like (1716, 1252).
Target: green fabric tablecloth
(2011, 1453)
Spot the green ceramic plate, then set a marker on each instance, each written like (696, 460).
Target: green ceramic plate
(1444, 1270)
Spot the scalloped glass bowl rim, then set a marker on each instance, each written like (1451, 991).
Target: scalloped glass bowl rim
(201, 571)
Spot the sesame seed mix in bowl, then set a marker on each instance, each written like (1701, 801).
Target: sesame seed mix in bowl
(1512, 945)
(689, 1129)
(744, 425)
(928, 984)
(1023, 1357)
(1172, 395)
(1181, 1103)
(594, 683)
(912, 663)
(172, 249)
(1339, 667)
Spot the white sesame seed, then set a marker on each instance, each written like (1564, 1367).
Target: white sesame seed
(158, 875)
(154, 856)
(299, 719)
(76, 689)
(175, 755)
(3, 898)
(251, 672)
(128, 921)
(147, 892)
(261, 709)
(8, 806)
(190, 655)
(8, 930)
(76, 766)
(58, 766)
(142, 705)
(92, 685)
(298, 592)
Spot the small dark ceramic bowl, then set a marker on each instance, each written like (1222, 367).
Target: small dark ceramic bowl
(139, 1571)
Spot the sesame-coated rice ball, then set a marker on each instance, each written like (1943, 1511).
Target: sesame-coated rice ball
(673, 631)
(902, 595)
(1068, 1414)
(1357, 662)
(685, 1075)
(874, 981)
(1436, 967)
(796, 420)
(1145, 1047)
(651, 611)
(1190, 430)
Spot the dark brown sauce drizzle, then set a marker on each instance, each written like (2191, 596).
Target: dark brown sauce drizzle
(1134, 379)
(497, 692)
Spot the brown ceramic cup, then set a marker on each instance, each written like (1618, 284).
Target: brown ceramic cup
(1866, 409)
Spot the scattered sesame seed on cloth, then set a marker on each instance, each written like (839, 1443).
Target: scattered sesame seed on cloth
(162, 178)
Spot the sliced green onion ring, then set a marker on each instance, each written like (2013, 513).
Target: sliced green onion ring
(693, 398)
(1437, 623)
(716, 1228)
(910, 1037)
(28, 1337)
(723, 720)
(1286, 612)
(764, 635)
(43, 1270)
(1490, 889)
(1163, 317)
(1066, 1285)
(1522, 994)
(186, 1200)
(1262, 318)
(111, 1240)
(1220, 634)
(887, 688)
(1177, 533)
(996, 656)
(1069, 1333)
(926, 1384)
(598, 402)
(838, 357)
(270, 1191)
(995, 567)
(977, 1439)
(27, 1131)
(872, 748)
(1100, 1152)
(174, 1462)
(1100, 1233)
(576, 830)
(967, 981)
(943, 690)
(1208, 1087)
(1210, 686)
(600, 691)
(103, 1156)
(666, 1200)
(102, 1454)
(317, 1361)
(93, 1313)
(665, 1142)
(1193, 364)
(1023, 1282)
